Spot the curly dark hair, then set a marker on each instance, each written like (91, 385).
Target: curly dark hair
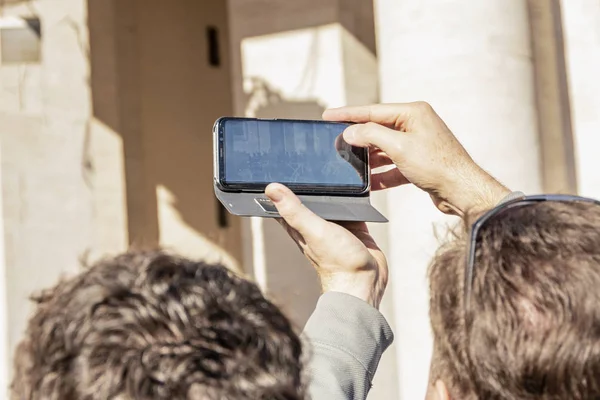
(149, 325)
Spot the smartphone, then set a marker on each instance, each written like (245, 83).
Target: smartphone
(309, 157)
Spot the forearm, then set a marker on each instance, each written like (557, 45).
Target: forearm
(476, 191)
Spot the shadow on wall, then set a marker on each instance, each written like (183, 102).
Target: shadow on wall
(291, 280)
(154, 85)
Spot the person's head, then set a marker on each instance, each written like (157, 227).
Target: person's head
(150, 325)
(531, 329)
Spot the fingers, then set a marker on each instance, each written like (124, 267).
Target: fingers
(375, 135)
(295, 214)
(388, 179)
(386, 114)
(392, 115)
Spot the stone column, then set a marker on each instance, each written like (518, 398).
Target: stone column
(4, 352)
(472, 62)
(581, 23)
(47, 184)
(183, 72)
(552, 93)
(294, 59)
(160, 78)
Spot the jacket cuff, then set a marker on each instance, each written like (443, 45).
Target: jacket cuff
(349, 324)
(512, 196)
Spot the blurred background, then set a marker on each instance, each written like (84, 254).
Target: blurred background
(106, 110)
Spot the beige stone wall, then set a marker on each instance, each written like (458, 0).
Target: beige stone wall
(181, 97)
(47, 187)
(4, 374)
(107, 142)
(153, 84)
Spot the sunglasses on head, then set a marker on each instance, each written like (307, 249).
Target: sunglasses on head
(481, 221)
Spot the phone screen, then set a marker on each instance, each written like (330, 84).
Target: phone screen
(304, 155)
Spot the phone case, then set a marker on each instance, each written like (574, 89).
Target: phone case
(331, 208)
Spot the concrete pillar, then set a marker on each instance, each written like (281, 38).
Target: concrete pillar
(294, 59)
(184, 86)
(115, 83)
(114, 195)
(581, 21)
(160, 77)
(4, 352)
(472, 62)
(106, 140)
(46, 187)
(552, 94)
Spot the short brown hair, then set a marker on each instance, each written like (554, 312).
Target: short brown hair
(532, 330)
(149, 325)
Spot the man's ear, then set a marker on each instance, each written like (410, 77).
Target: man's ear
(440, 391)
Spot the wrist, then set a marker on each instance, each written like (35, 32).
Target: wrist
(478, 191)
(368, 286)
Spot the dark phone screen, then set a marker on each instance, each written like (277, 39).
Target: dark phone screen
(300, 154)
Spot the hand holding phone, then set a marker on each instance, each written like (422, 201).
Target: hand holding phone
(345, 256)
(425, 152)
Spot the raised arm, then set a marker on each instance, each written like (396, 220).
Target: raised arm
(346, 332)
(426, 153)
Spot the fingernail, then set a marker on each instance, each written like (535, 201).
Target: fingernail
(350, 133)
(276, 195)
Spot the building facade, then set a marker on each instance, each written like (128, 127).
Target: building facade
(106, 110)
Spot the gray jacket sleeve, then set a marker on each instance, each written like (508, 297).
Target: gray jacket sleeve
(347, 337)
(512, 196)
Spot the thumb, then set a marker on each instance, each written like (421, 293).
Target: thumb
(372, 134)
(291, 209)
